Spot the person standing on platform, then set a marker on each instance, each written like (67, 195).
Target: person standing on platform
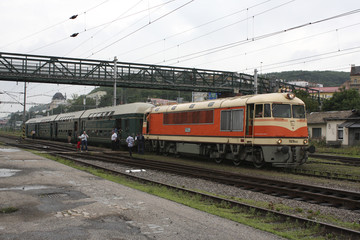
(141, 143)
(84, 138)
(69, 137)
(130, 142)
(113, 140)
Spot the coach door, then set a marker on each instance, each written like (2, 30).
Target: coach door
(75, 130)
(56, 130)
(249, 120)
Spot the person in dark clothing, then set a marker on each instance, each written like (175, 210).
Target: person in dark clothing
(141, 143)
(113, 140)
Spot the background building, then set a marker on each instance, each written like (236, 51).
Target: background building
(57, 99)
(341, 128)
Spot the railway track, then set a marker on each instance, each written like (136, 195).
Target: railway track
(254, 184)
(301, 192)
(353, 161)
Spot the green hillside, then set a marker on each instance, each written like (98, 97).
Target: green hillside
(327, 78)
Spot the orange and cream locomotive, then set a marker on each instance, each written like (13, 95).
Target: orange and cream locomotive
(266, 128)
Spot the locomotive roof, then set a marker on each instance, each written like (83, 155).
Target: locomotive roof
(274, 97)
(228, 102)
(130, 108)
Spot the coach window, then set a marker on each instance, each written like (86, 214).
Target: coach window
(259, 111)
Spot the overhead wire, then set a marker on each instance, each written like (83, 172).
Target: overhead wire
(142, 27)
(320, 57)
(104, 26)
(52, 26)
(205, 52)
(281, 44)
(193, 28)
(120, 18)
(216, 30)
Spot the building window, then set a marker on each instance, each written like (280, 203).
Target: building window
(316, 132)
(340, 133)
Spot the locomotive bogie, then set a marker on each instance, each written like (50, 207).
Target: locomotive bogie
(279, 156)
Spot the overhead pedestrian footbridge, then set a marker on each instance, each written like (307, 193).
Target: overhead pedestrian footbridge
(61, 70)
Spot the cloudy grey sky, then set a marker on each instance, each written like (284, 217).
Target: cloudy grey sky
(233, 35)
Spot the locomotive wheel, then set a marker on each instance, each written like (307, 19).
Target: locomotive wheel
(236, 162)
(258, 158)
(218, 160)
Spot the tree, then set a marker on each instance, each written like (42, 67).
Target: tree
(343, 100)
(312, 105)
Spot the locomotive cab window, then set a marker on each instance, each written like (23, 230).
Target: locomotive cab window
(267, 110)
(281, 110)
(259, 111)
(298, 111)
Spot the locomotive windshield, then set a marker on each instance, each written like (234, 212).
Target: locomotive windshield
(281, 110)
(284, 111)
(298, 111)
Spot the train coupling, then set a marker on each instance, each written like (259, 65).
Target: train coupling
(283, 149)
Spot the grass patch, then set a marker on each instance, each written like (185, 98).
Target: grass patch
(346, 151)
(8, 210)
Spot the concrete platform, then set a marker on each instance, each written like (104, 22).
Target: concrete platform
(59, 202)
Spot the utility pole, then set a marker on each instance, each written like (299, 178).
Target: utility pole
(115, 72)
(24, 113)
(255, 81)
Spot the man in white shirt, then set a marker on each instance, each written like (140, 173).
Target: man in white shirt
(84, 137)
(113, 140)
(130, 142)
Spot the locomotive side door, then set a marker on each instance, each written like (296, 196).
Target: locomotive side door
(249, 120)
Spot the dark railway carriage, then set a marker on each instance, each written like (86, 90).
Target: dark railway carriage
(43, 127)
(67, 124)
(266, 128)
(127, 118)
(98, 123)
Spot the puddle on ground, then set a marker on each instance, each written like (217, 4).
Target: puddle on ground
(8, 172)
(9, 150)
(25, 188)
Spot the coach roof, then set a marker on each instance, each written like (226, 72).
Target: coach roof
(41, 119)
(130, 108)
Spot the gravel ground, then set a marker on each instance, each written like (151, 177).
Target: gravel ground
(225, 190)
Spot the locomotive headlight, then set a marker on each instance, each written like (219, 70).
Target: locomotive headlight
(290, 96)
(306, 141)
(279, 141)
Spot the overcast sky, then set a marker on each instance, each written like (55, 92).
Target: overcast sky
(232, 35)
